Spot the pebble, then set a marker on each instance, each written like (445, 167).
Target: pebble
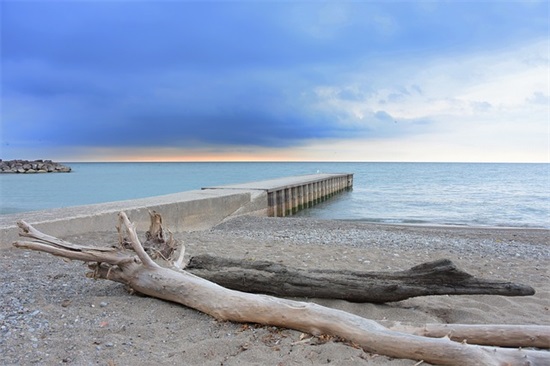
(35, 309)
(387, 237)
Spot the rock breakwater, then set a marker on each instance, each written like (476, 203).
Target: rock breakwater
(36, 166)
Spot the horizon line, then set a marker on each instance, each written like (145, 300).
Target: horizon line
(305, 161)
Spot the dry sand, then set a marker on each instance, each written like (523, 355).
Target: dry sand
(50, 313)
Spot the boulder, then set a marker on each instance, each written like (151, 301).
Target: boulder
(36, 166)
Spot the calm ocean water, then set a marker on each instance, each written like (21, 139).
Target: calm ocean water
(516, 195)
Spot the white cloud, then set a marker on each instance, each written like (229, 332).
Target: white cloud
(489, 106)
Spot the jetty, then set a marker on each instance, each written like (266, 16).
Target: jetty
(32, 166)
(286, 196)
(186, 211)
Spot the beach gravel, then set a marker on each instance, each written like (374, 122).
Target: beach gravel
(50, 313)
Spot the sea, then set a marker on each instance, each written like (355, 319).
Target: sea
(457, 194)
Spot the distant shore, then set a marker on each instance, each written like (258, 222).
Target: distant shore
(32, 166)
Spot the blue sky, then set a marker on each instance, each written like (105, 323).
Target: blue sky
(258, 80)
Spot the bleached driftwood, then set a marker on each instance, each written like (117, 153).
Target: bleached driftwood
(137, 270)
(501, 335)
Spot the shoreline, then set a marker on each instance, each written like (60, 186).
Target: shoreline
(299, 226)
(435, 225)
(48, 212)
(53, 314)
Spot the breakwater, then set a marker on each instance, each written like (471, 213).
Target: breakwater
(185, 211)
(286, 196)
(34, 166)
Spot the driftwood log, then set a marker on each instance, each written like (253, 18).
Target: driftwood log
(441, 277)
(139, 271)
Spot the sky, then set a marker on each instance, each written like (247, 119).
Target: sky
(449, 81)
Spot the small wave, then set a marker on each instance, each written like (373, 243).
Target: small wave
(393, 221)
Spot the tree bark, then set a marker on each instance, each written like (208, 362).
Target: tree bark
(137, 270)
(441, 277)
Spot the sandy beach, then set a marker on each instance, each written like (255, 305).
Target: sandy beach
(50, 313)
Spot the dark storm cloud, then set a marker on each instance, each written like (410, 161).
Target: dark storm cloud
(109, 73)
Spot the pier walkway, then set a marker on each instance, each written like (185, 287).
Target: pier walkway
(286, 196)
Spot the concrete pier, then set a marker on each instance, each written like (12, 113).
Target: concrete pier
(185, 211)
(286, 196)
